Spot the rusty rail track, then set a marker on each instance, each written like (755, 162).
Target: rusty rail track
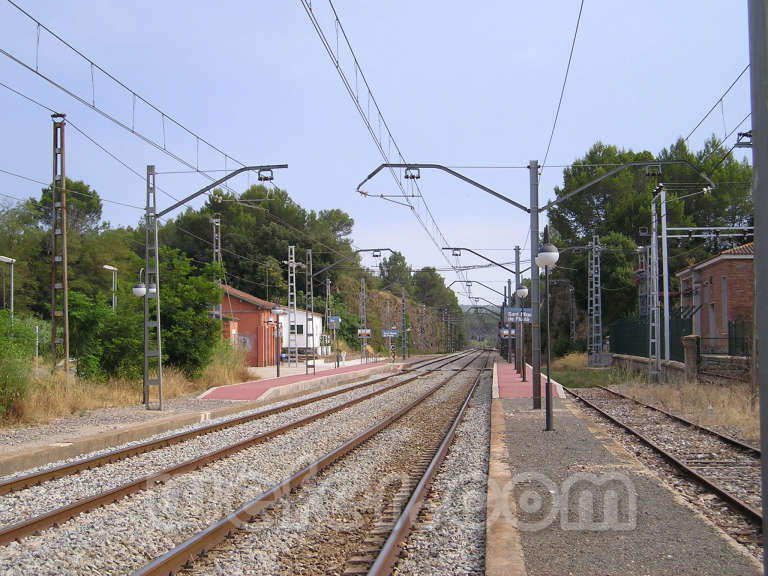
(19, 530)
(749, 512)
(754, 450)
(184, 554)
(35, 478)
(390, 551)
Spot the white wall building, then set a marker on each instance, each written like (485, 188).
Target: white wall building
(301, 330)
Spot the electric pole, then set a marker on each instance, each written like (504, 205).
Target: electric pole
(758, 46)
(59, 281)
(533, 168)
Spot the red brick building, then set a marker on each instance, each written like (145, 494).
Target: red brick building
(718, 291)
(246, 321)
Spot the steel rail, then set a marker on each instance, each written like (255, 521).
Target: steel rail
(18, 530)
(184, 554)
(35, 478)
(390, 551)
(753, 450)
(750, 513)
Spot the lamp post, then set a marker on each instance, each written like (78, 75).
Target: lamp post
(522, 293)
(276, 322)
(10, 261)
(546, 258)
(114, 285)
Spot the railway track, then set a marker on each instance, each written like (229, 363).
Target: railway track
(379, 548)
(21, 481)
(71, 507)
(721, 464)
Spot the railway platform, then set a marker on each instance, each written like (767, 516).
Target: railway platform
(296, 380)
(72, 437)
(573, 501)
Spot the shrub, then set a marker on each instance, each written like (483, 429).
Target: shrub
(14, 376)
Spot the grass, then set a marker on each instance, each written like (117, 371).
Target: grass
(572, 371)
(50, 396)
(725, 405)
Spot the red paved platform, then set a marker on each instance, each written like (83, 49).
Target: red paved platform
(253, 390)
(511, 383)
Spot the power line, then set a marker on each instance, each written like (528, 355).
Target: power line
(75, 192)
(720, 145)
(385, 154)
(135, 97)
(565, 80)
(117, 159)
(718, 101)
(11, 197)
(85, 135)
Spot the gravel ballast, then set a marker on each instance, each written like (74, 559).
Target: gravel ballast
(53, 494)
(123, 536)
(323, 523)
(450, 535)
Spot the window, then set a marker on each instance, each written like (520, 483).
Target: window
(724, 299)
(299, 329)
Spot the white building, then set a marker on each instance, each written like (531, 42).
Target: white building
(301, 330)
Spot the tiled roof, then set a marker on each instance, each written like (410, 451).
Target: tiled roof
(747, 249)
(263, 304)
(245, 297)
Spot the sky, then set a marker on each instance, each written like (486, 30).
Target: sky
(470, 85)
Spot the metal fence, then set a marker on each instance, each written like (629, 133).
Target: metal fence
(737, 343)
(630, 336)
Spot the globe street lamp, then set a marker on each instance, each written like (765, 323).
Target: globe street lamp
(547, 258)
(139, 289)
(522, 294)
(10, 261)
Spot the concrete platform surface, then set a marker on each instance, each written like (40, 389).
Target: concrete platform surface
(256, 389)
(509, 384)
(582, 505)
(250, 395)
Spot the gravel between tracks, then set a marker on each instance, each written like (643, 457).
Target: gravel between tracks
(325, 521)
(195, 426)
(452, 540)
(125, 535)
(715, 509)
(735, 469)
(53, 494)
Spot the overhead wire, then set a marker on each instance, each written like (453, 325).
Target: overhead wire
(565, 81)
(307, 4)
(122, 163)
(720, 144)
(717, 102)
(162, 147)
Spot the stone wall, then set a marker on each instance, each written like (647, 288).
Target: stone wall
(732, 367)
(675, 370)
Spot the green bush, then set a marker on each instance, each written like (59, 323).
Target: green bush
(14, 375)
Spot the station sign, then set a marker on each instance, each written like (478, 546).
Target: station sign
(393, 333)
(363, 332)
(513, 315)
(334, 322)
